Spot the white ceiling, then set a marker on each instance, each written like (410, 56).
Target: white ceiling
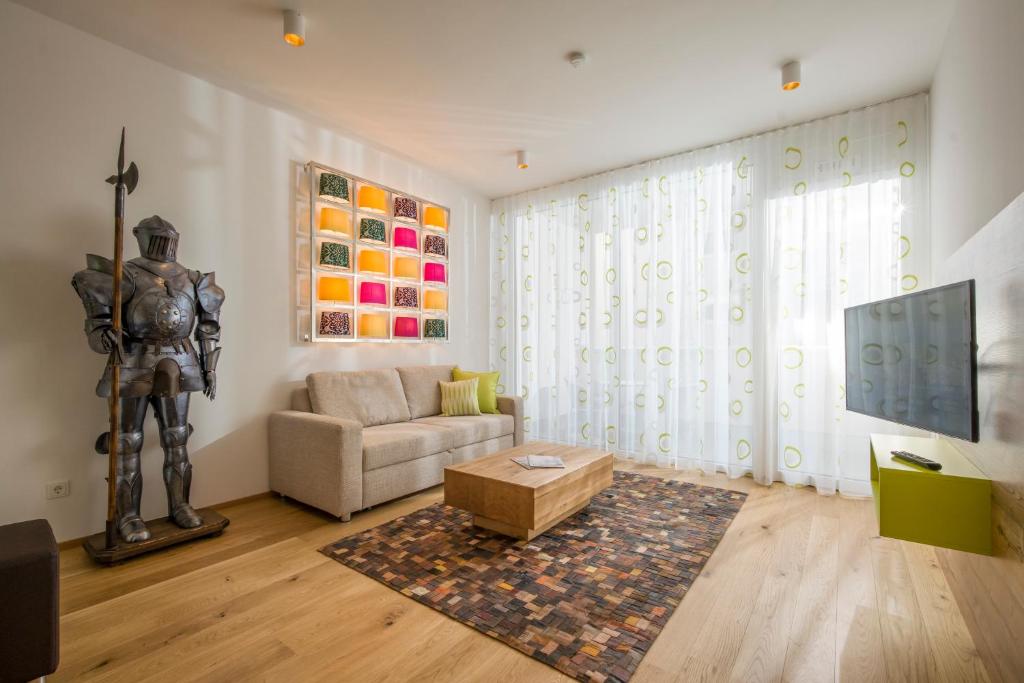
(459, 86)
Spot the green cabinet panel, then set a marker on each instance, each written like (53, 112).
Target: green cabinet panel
(951, 508)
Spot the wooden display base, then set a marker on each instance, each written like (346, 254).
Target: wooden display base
(164, 533)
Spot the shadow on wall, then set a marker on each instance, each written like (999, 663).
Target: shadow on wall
(52, 416)
(1000, 449)
(990, 590)
(1001, 371)
(993, 258)
(299, 245)
(217, 462)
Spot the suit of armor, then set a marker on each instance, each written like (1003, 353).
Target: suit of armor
(161, 304)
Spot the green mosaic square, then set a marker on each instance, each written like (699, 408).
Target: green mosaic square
(372, 229)
(435, 328)
(334, 254)
(335, 186)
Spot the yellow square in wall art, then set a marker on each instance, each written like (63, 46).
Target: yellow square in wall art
(373, 325)
(435, 217)
(407, 267)
(435, 300)
(372, 199)
(334, 289)
(336, 220)
(373, 262)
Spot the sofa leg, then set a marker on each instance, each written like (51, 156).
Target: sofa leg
(347, 517)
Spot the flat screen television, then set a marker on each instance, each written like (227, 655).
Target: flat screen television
(912, 359)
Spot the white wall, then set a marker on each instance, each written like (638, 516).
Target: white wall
(977, 121)
(218, 166)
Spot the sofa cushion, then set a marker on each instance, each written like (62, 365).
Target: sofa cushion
(469, 429)
(460, 398)
(391, 444)
(487, 389)
(422, 385)
(370, 397)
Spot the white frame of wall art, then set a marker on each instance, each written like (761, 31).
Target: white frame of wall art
(346, 248)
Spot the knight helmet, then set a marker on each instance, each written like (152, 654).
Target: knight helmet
(158, 240)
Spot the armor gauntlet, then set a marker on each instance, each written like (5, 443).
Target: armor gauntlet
(209, 352)
(99, 327)
(207, 333)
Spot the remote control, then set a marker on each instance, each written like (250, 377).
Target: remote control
(913, 459)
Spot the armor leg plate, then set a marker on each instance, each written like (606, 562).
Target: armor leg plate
(129, 471)
(172, 417)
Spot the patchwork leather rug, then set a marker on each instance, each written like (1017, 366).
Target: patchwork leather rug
(587, 597)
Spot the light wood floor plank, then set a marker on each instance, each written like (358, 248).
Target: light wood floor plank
(858, 627)
(905, 645)
(702, 645)
(811, 654)
(799, 586)
(762, 653)
(943, 622)
(265, 524)
(990, 597)
(222, 627)
(128, 628)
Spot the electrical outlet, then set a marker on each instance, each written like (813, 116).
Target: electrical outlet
(58, 489)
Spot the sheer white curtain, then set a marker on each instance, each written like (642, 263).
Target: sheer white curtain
(689, 311)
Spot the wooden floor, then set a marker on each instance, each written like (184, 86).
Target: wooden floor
(801, 588)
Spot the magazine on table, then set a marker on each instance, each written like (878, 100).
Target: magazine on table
(532, 462)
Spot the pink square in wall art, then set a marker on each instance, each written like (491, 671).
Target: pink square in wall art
(434, 272)
(372, 293)
(405, 237)
(407, 327)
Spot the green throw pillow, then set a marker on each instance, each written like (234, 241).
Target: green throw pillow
(488, 391)
(459, 398)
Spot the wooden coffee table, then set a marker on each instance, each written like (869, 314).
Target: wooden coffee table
(515, 501)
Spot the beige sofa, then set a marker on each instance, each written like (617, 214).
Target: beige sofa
(356, 439)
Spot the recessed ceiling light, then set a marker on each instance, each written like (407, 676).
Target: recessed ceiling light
(791, 75)
(522, 161)
(294, 28)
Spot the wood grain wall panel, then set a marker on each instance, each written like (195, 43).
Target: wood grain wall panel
(990, 590)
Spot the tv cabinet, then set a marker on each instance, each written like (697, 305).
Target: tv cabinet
(951, 508)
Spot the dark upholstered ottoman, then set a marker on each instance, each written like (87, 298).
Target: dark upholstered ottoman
(29, 617)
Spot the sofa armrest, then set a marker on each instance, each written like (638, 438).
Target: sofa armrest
(513, 405)
(317, 459)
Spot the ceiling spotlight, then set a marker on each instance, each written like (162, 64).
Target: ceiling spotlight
(294, 28)
(577, 59)
(521, 159)
(791, 75)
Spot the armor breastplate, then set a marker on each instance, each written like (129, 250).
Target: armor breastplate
(160, 309)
